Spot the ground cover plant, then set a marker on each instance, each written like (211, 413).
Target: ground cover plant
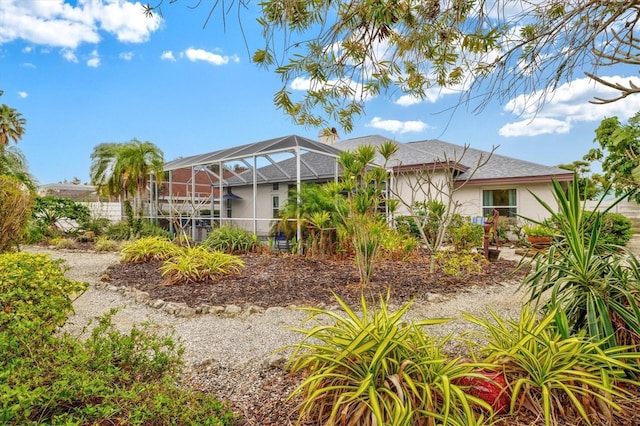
(111, 378)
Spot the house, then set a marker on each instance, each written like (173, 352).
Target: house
(502, 183)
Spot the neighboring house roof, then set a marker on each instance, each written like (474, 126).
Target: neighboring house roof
(499, 168)
(69, 190)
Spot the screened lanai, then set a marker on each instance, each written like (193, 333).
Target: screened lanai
(231, 186)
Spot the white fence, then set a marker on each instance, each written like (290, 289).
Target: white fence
(629, 209)
(111, 211)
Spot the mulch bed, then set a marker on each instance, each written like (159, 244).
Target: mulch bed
(284, 280)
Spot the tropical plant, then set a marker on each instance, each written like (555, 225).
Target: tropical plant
(538, 230)
(148, 249)
(594, 283)
(615, 228)
(123, 170)
(16, 203)
(196, 264)
(231, 239)
(553, 374)
(106, 244)
(374, 369)
(11, 126)
(56, 214)
(14, 164)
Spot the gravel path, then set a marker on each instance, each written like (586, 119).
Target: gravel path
(236, 357)
(246, 341)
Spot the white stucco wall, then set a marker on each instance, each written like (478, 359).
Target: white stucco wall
(243, 212)
(470, 198)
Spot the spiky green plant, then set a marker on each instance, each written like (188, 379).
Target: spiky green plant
(551, 374)
(233, 240)
(374, 369)
(594, 283)
(148, 249)
(196, 264)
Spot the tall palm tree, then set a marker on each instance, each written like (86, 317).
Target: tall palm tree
(11, 125)
(123, 170)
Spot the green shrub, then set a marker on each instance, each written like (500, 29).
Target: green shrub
(34, 298)
(111, 378)
(465, 235)
(460, 263)
(232, 240)
(63, 243)
(397, 246)
(16, 203)
(105, 244)
(553, 375)
(374, 368)
(122, 231)
(57, 214)
(198, 264)
(615, 228)
(148, 249)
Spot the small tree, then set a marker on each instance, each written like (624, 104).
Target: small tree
(16, 203)
(428, 194)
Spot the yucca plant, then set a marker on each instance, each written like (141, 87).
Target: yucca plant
(552, 375)
(195, 264)
(594, 283)
(374, 369)
(148, 249)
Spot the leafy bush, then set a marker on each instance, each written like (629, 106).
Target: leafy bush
(232, 240)
(465, 235)
(460, 263)
(111, 378)
(397, 246)
(615, 228)
(148, 249)
(57, 215)
(376, 369)
(34, 297)
(198, 264)
(15, 209)
(555, 376)
(122, 231)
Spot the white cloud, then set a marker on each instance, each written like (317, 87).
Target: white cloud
(69, 55)
(567, 105)
(23, 94)
(127, 56)
(27, 49)
(60, 24)
(396, 126)
(94, 59)
(213, 58)
(167, 56)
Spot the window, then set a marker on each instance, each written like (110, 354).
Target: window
(275, 186)
(275, 204)
(503, 200)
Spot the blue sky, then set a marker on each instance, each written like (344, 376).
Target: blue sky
(90, 71)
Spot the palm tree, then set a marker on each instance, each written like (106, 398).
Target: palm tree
(14, 164)
(123, 170)
(11, 125)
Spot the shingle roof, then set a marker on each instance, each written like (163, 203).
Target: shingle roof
(498, 168)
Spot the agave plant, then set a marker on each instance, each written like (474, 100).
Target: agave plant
(374, 369)
(596, 284)
(552, 375)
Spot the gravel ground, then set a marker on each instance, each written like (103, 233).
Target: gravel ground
(236, 356)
